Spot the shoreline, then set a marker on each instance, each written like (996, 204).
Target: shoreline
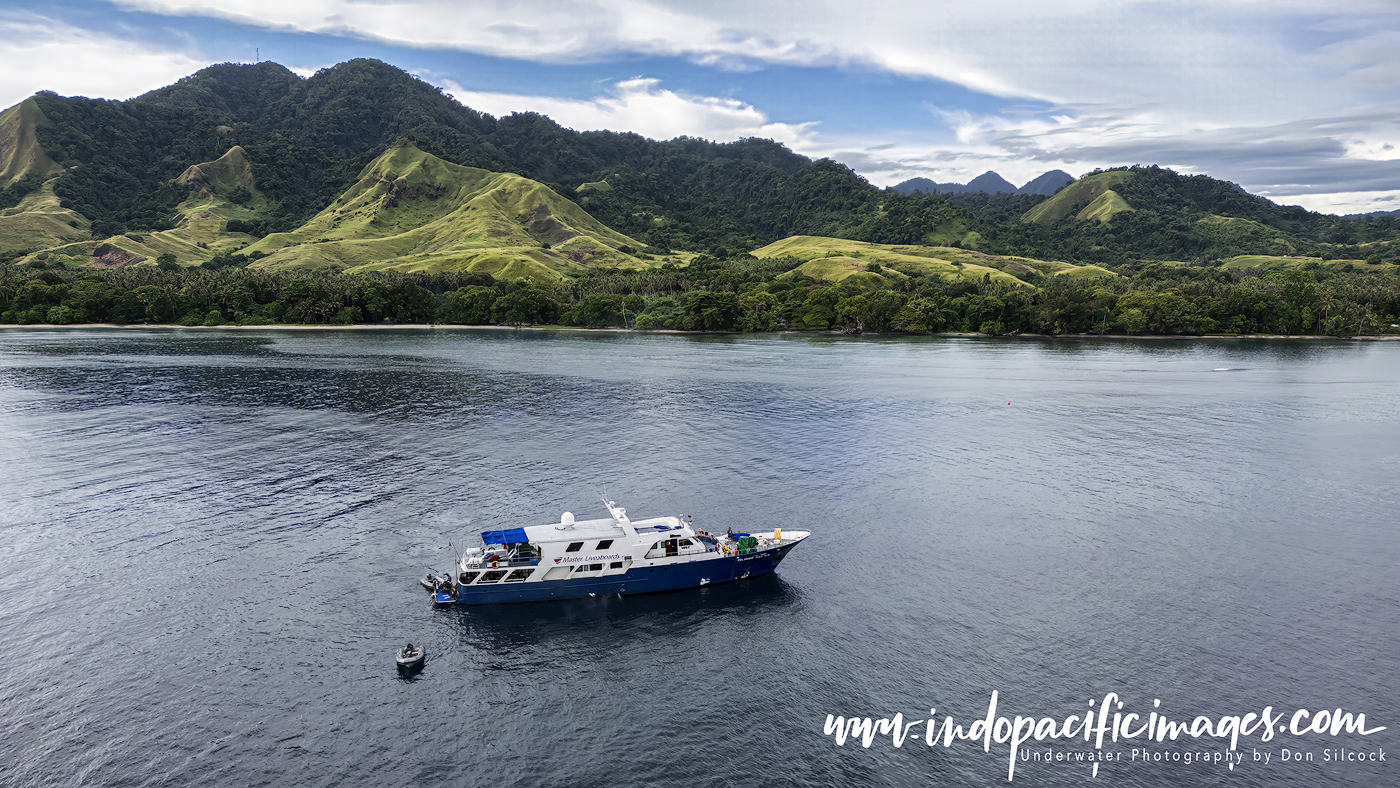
(828, 332)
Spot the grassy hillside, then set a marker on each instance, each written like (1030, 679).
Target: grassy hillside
(1241, 233)
(200, 233)
(220, 192)
(40, 222)
(20, 153)
(839, 260)
(1276, 262)
(227, 182)
(194, 242)
(1104, 207)
(411, 211)
(295, 146)
(1090, 197)
(309, 139)
(30, 214)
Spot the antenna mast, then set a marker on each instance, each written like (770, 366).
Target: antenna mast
(619, 515)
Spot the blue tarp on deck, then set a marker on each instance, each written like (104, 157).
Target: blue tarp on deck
(509, 536)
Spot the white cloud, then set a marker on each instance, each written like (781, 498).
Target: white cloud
(306, 72)
(641, 105)
(1197, 58)
(1133, 81)
(1347, 202)
(1270, 94)
(71, 61)
(1346, 163)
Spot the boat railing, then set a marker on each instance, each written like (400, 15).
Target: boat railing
(732, 548)
(514, 560)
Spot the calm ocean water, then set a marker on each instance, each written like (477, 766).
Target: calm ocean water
(212, 541)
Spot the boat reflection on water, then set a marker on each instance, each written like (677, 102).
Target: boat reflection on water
(592, 624)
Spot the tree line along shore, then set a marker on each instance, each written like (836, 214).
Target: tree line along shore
(737, 293)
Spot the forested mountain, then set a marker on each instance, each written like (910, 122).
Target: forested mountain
(80, 175)
(1047, 183)
(1151, 213)
(309, 138)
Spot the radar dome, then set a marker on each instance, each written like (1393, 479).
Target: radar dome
(567, 518)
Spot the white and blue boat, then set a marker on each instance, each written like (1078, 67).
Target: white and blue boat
(592, 558)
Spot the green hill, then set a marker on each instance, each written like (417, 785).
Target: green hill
(20, 152)
(1090, 197)
(412, 211)
(200, 232)
(122, 168)
(308, 139)
(1104, 207)
(840, 260)
(219, 183)
(39, 221)
(223, 196)
(1275, 263)
(30, 214)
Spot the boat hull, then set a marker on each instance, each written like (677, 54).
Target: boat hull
(637, 580)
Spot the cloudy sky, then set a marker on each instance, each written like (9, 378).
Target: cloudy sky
(1298, 100)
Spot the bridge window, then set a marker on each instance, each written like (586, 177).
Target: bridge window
(574, 547)
(605, 544)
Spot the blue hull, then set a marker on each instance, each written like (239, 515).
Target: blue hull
(638, 580)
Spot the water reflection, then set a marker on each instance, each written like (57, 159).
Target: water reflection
(595, 623)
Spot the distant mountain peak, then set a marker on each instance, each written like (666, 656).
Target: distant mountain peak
(991, 183)
(1047, 184)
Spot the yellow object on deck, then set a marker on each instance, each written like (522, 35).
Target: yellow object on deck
(777, 533)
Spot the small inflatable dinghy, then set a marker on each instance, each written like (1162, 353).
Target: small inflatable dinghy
(410, 656)
(431, 581)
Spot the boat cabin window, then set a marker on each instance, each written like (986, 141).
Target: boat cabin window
(663, 548)
(615, 565)
(466, 578)
(519, 575)
(686, 543)
(605, 544)
(574, 547)
(492, 576)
